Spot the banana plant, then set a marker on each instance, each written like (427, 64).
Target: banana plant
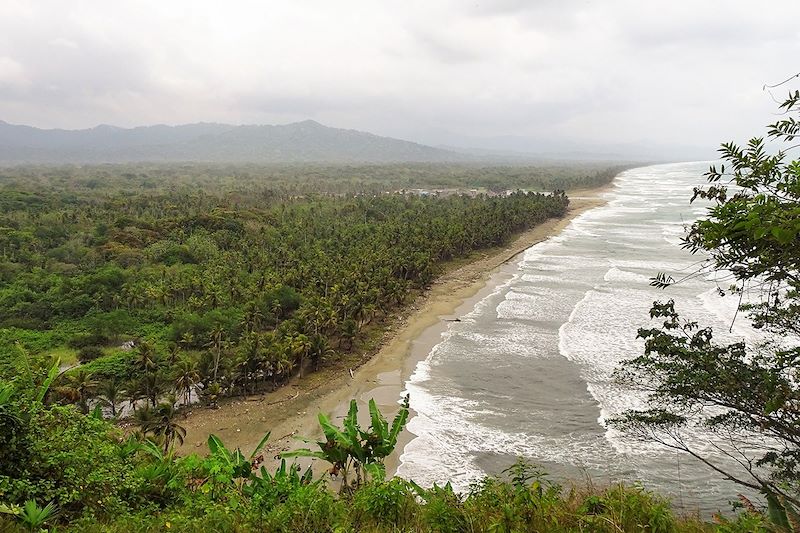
(23, 389)
(352, 450)
(27, 374)
(225, 465)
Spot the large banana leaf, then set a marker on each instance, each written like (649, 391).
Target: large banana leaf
(260, 445)
(354, 434)
(379, 425)
(777, 512)
(52, 374)
(332, 433)
(216, 446)
(399, 422)
(304, 452)
(352, 446)
(376, 471)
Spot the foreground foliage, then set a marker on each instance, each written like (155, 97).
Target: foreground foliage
(351, 449)
(75, 472)
(747, 394)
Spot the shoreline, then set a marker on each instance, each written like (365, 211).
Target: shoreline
(292, 410)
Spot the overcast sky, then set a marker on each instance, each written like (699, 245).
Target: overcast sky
(671, 72)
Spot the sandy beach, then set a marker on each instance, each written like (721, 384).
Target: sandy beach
(292, 411)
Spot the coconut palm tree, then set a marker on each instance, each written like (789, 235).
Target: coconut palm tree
(253, 318)
(146, 357)
(186, 377)
(144, 417)
(174, 350)
(149, 386)
(281, 364)
(216, 343)
(212, 393)
(111, 393)
(349, 332)
(300, 345)
(320, 349)
(160, 422)
(164, 426)
(79, 387)
(186, 340)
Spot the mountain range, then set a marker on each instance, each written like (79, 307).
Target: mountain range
(299, 142)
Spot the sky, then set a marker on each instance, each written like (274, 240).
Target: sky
(504, 74)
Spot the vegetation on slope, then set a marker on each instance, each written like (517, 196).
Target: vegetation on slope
(220, 292)
(228, 289)
(73, 472)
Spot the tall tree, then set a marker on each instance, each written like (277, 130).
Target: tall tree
(186, 378)
(112, 393)
(748, 394)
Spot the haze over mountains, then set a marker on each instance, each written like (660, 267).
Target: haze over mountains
(300, 142)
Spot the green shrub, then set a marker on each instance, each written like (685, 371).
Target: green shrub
(85, 340)
(310, 509)
(390, 504)
(71, 459)
(90, 353)
(114, 365)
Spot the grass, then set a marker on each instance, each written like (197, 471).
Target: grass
(67, 355)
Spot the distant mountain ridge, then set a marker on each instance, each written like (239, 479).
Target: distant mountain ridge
(301, 142)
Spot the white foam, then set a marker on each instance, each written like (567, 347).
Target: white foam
(578, 297)
(615, 274)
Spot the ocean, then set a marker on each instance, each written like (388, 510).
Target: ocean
(528, 371)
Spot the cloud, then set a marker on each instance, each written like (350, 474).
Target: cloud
(678, 72)
(12, 75)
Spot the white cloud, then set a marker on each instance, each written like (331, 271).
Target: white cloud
(624, 71)
(12, 75)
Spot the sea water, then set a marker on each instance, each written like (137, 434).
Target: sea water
(529, 371)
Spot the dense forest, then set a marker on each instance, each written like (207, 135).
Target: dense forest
(131, 291)
(288, 180)
(204, 286)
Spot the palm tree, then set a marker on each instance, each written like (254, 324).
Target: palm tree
(144, 417)
(160, 422)
(187, 339)
(133, 392)
(79, 387)
(211, 394)
(349, 332)
(35, 517)
(146, 357)
(217, 342)
(174, 351)
(186, 377)
(253, 318)
(320, 349)
(111, 393)
(281, 362)
(276, 309)
(150, 386)
(300, 346)
(164, 426)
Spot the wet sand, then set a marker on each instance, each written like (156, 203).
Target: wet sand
(292, 411)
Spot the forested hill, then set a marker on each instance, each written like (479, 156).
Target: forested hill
(306, 141)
